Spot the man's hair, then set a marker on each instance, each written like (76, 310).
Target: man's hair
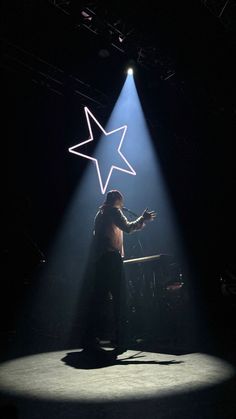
(112, 197)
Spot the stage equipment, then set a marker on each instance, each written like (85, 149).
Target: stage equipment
(157, 297)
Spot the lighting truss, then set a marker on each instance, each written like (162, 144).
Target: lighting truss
(224, 10)
(119, 34)
(46, 75)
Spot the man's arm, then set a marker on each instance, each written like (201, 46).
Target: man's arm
(127, 226)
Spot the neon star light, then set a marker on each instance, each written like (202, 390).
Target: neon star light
(123, 129)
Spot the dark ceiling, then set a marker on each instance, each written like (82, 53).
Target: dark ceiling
(172, 43)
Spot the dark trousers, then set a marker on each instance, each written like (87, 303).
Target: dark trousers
(108, 280)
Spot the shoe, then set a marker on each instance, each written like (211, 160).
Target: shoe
(93, 347)
(120, 350)
(119, 346)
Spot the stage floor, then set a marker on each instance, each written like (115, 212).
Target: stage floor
(68, 384)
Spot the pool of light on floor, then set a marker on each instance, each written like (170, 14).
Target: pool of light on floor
(47, 376)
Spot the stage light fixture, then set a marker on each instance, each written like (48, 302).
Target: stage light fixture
(130, 71)
(86, 15)
(121, 38)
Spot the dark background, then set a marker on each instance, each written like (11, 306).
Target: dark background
(183, 54)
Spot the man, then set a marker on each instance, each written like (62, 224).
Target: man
(109, 225)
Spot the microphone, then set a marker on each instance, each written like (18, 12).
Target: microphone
(129, 211)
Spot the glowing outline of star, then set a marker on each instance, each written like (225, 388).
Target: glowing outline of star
(124, 127)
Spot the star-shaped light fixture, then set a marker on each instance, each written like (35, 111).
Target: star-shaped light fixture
(123, 129)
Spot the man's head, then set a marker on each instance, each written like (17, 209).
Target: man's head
(114, 198)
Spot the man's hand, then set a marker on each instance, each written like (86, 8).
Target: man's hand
(148, 215)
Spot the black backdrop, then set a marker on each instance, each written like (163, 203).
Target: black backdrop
(193, 110)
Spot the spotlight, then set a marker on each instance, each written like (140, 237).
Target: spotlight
(86, 15)
(121, 38)
(130, 71)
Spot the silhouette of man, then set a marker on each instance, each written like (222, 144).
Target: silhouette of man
(108, 251)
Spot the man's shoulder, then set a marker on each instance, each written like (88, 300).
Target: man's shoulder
(108, 211)
(113, 210)
(116, 211)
